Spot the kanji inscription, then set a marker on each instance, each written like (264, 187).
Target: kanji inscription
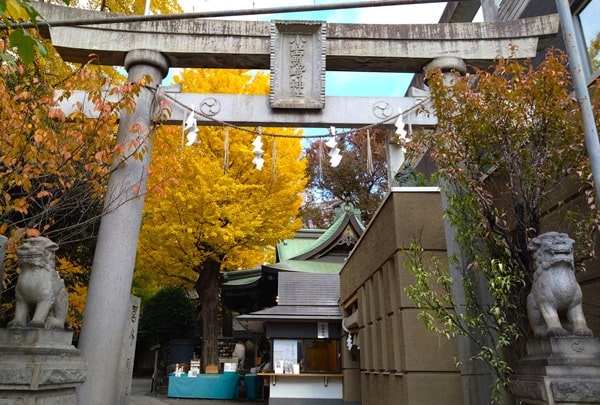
(298, 64)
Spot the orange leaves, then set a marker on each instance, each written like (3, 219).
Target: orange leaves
(38, 136)
(32, 232)
(100, 156)
(49, 159)
(20, 205)
(508, 138)
(42, 194)
(102, 105)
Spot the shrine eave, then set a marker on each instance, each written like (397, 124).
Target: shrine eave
(304, 266)
(207, 43)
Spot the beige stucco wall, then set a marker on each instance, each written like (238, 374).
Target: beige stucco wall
(400, 361)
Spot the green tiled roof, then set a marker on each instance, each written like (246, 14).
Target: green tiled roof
(296, 247)
(241, 281)
(307, 266)
(240, 278)
(293, 247)
(311, 251)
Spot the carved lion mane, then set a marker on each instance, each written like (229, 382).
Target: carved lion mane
(40, 292)
(555, 294)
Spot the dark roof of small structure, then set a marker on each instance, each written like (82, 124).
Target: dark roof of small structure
(303, 297)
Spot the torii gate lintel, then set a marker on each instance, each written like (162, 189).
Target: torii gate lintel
(234, 44)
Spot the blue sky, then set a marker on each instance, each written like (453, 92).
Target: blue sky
(339, 83)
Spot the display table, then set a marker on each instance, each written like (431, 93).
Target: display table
(305, 388)
(210, 386)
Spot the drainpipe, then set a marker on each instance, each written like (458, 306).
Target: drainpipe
(581, 90)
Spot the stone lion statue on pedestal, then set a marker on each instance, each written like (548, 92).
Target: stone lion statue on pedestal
(41, 297)
(554, 304)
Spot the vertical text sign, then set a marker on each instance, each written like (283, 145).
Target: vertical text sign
(298, 64)
(322, 330)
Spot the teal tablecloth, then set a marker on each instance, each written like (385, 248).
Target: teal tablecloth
(254, 386)
(211, 386)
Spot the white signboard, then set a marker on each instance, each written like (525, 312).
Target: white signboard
(285, 350)
(322, 330)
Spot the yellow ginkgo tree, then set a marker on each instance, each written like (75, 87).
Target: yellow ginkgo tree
(209, 208)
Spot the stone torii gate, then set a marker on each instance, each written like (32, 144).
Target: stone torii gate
(152, 47)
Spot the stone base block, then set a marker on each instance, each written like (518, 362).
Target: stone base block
(563, 370)
(39, 366)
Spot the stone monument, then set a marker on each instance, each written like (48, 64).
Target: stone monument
(562, 365)
(41, 300)
(38, 363)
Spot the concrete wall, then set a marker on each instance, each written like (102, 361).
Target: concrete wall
(400, 361)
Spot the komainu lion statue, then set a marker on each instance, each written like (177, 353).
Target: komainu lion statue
(554, 304)
(40, 294)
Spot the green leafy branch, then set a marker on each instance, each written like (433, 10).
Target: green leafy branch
(491, 328)
(15, 38)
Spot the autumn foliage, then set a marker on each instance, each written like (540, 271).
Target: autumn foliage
(209, 209)
(510, 150)
(54, 166)
(361, 177)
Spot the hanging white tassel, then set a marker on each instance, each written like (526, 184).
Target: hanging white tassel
(400, 131)
(334, 153)
(258, 161)
(226, 150)
(369, 154)
(190, 121)
(191, 126)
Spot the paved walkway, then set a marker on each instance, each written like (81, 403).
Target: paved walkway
(141, 395)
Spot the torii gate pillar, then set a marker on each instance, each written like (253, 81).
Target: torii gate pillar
(476, 377)
(107, 305)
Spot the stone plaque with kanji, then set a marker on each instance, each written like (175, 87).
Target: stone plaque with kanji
(298, 64)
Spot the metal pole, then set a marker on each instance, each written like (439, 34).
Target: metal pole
(154, 373)
(581, 90)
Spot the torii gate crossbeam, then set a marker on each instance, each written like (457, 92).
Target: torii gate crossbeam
(207, 43)
(254, 110)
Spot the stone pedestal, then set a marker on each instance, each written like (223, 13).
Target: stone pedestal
(39, 366)
(561, 370)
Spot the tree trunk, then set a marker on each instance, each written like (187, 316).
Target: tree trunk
(207, 287)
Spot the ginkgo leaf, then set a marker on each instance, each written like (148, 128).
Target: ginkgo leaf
(15, 10)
